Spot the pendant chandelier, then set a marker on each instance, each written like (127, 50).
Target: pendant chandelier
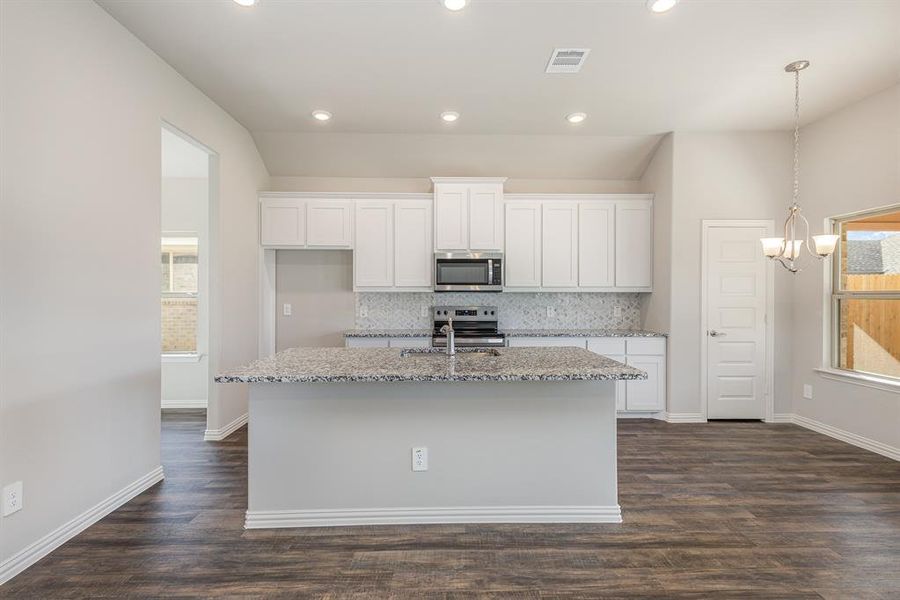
(786, 250)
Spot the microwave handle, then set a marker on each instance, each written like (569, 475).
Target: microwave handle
(490, 271)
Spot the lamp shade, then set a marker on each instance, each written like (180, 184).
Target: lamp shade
(772, 247)
(792, 249)
(825, 244)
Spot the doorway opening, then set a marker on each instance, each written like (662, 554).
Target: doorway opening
(185, 251)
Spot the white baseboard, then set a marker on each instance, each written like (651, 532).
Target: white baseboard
(56, 538)
(217, 435)
(685, 418)
(782, 418)
(660, 416)
(847, 436)
(419, 516)
(198, 403)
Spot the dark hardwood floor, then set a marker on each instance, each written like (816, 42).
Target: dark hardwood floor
(719, 510)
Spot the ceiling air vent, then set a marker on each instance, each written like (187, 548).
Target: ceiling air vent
(567, 60)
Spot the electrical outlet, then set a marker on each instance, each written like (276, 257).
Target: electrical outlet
(286, 310)
(551, 312)
(617, 311)
(807, 391)
(426, 310)
(12, 498)
(363, 312)
(420, 458)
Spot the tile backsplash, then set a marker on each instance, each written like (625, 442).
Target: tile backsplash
(517, 310)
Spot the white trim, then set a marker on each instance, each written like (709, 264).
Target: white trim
(468, 179)
(186, 357)
(864, 379)
(217, 435)
(782, 418)
(417, 516)
(183, 403)
(685, 418)
(268, 302)
(848, 437)
(631, 414)
(23, 559)
(769, 400)
(545, 197)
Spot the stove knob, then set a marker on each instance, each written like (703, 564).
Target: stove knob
(492, 312)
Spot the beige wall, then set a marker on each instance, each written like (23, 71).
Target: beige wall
(722, 176)
(424, 185)
(851, 162)
(318, 284)
(83, 101)
(656, 307)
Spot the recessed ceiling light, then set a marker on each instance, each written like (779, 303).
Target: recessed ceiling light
(321, 115)
(661, 6)
(454, 4)
(450, 116)
(246, 2)
(575, 118)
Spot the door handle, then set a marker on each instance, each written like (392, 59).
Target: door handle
(714, 333)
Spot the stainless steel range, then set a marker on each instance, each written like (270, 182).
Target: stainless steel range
(474, 326)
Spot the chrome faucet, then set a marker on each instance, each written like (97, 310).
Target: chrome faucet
(451, 337)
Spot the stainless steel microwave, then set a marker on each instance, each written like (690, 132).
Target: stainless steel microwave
(468, 271)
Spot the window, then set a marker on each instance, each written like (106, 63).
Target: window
(180, 277)
(866, 294)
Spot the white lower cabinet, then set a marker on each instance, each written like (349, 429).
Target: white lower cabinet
(647, 354)
(386, 342)
(646, 394)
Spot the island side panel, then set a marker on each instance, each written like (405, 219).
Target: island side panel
(335, 454)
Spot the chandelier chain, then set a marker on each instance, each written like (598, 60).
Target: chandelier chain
(796, 137)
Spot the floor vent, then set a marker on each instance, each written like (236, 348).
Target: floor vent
(567, 60)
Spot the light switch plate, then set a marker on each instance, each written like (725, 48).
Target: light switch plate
(807, 391)
(286, 310)
(12, 498)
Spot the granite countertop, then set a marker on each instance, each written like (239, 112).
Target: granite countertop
(582, 333)
(379, 333)
(421, 333)
(365, 365)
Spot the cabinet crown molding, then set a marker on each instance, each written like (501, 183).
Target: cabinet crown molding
(469, 179)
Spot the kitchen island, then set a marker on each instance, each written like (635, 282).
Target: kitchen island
(364, 436)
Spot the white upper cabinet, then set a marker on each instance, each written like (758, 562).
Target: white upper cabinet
(282, 222)
(597, 244)
(468, 213)
(559, 248)
(486, 217)
(412, 244)
(634, 244)
(328, 223)
(373, 256)
(523, 245)
(304, 222)
(451, 217)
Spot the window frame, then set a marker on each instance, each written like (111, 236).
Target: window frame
(834, 295)
(181, 356)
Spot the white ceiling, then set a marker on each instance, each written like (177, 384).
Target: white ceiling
(392, 66)
(180, 158)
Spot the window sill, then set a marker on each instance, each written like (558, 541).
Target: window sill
(872, 381)
(181, 358)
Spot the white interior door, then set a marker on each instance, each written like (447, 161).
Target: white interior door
(735, 336)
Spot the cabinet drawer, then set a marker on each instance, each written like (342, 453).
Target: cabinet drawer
(366, 342)
(646, 346)
(409, 342)
(606, 346)
(546, 342)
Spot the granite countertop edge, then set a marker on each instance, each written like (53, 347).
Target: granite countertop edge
(426, 333)
(426, 378)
